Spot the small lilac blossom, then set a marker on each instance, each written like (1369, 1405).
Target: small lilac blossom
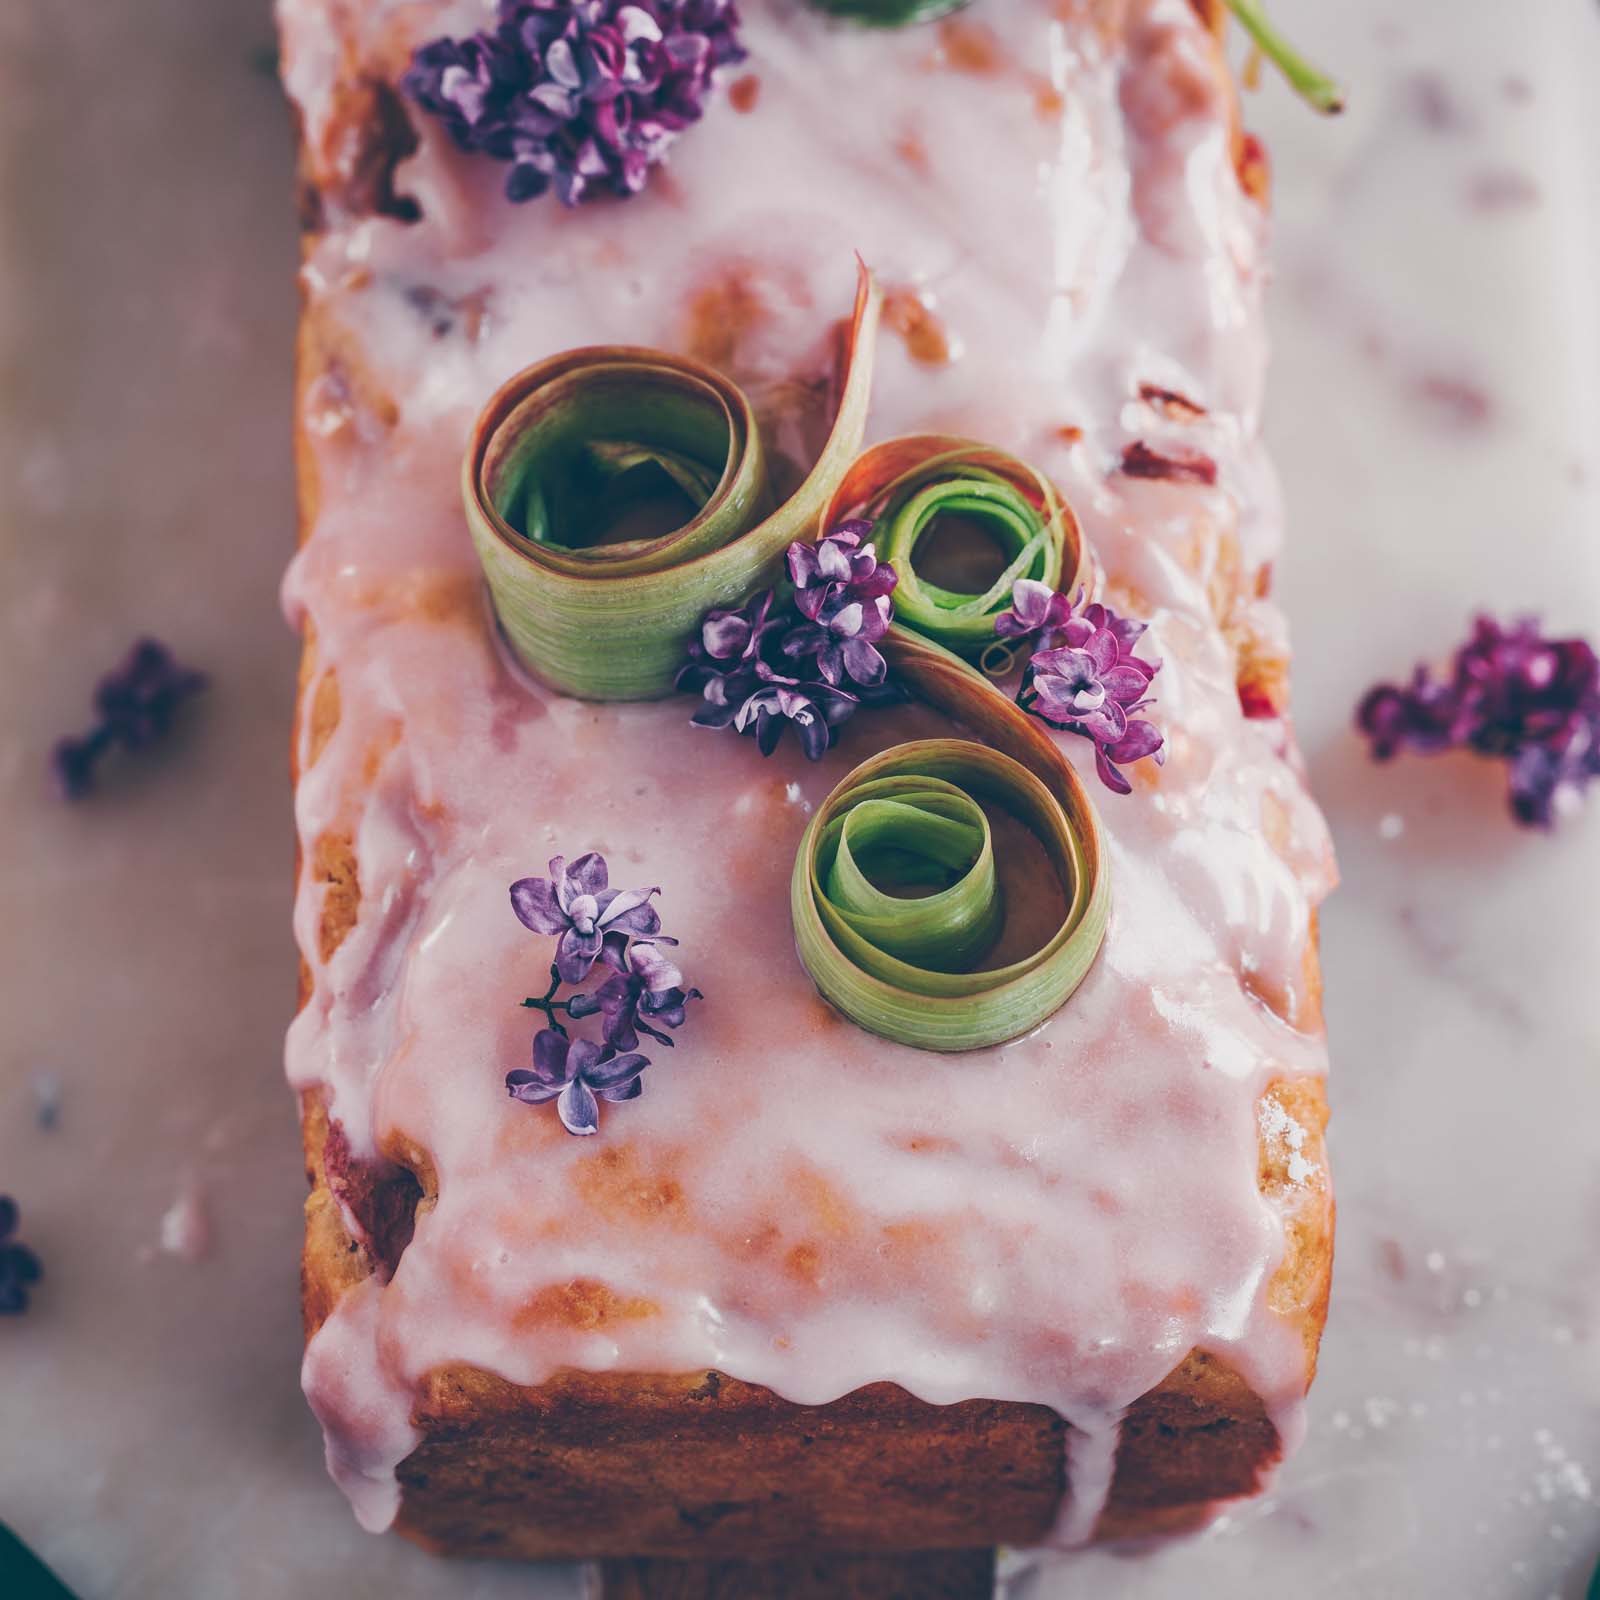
(577, 1074)
(19, 1266)
(1035, 608)
(843, 642)
(814, 710)
(1512, 695)
(726, 657)
(842, 567)
(760, 669)
(842, 590)
(580, 96)
(135, 705)
(589, 918)
(644, 997)
(1084, 678)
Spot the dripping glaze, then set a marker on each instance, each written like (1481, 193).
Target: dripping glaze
(1057, 1221)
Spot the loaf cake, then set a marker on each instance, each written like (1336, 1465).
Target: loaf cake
(813, 1289)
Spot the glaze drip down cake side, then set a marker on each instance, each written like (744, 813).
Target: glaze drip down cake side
(844, 547)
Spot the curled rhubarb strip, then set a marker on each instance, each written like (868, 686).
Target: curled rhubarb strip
(567, 446)
(918, 815)
(909, 486)
(888, 13)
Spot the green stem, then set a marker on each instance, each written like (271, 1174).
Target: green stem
(549, 1005)
(1313, 86)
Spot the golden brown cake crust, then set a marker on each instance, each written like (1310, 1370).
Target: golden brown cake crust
(700, 1466)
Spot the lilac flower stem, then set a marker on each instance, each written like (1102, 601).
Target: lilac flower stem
(549, 1005)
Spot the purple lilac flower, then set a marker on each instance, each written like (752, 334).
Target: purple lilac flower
(1035, 608)
(135, 705)
(759, 669)
(582, 96)
(19, 1266)
(573, 1073)
(1511, 694)
(814, 710)
(1084, 678)
(644, 996)
(590, 919)
(842, 590)
(842, 565)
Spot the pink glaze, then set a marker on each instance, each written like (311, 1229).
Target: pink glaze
(792, 1201)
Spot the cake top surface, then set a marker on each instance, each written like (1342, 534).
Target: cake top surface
(1049, 192)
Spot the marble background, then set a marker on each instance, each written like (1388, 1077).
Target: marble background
(1437, 422)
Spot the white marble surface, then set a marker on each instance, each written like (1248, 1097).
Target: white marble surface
(1437, 420)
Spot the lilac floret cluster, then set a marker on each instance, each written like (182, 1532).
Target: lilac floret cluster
(643, 992)
(19, 1266)
(580, 97)
(1083, 676)
(807, 664)
(1511, 694)
(135, 705)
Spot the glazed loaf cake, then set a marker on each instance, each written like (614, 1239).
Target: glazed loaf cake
(813, 1290)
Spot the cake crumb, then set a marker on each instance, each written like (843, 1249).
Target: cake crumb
(186, 1226)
